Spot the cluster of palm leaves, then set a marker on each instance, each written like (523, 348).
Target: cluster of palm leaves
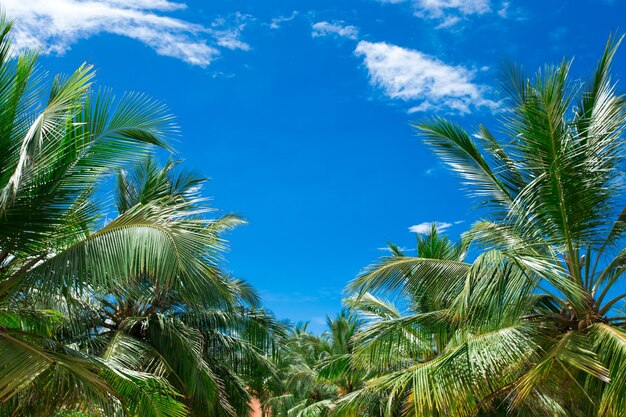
(112, 300)
(534, 325)
(330, 374)
(317, 371)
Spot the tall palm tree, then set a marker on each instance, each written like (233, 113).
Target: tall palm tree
(530, 327)
(57, 255)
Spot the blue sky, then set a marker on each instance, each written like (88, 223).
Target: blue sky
(299, 111)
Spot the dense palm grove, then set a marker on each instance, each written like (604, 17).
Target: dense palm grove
(113, 301)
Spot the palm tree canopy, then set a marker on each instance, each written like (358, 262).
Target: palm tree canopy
(531, 314)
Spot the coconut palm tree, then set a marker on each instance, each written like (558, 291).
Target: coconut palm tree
(319, 371)
(389, 340)
(57, 253)
(531, 326)
(207, 347)
(303, 391)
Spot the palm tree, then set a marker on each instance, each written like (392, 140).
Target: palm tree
(530, 327)
(205, 347)
(303, 391)
(317, 369)
(389, 340)
(58, 256)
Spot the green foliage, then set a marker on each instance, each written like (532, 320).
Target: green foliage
(527, 328)
(127, 315)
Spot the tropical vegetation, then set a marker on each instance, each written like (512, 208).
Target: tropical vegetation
(531, 326)
(112, 304)
(114, 300)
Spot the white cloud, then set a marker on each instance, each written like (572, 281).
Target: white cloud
(448, 22)
(53, 26)
(278, 21)
(165, 5)
(439, 8)
(413, 76)
(335, 29)
(425, 227)
(450, 12)
(401, 248)
(227, 32)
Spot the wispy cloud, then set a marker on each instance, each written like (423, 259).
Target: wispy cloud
(508, 11)
(425, 81)
(442, 8)
(448, 12)
(425, 227)
(504, 9)
(53, 26)
(449, 22)
(277, 22)
(336, 29)
(227, 31)
(401, 248)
